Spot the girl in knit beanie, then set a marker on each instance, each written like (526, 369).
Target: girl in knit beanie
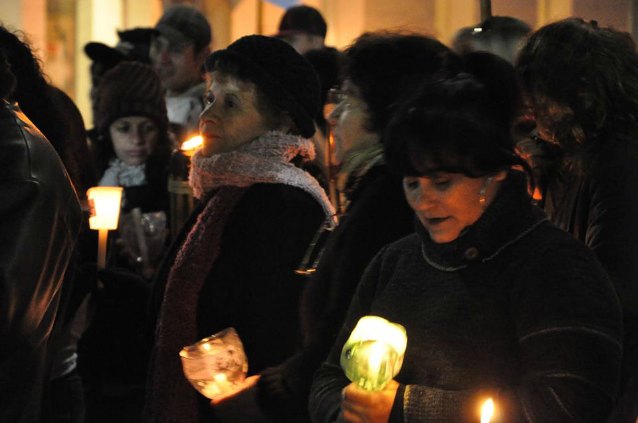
(133, 147)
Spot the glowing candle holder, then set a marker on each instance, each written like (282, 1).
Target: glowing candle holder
(104, 204)
(215, 365)
(487, 411)
(373, 354)
(180, 193)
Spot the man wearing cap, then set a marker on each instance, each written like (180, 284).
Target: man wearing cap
(178, 50)
(303, 27)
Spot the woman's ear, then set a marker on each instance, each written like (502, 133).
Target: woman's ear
(500, 176)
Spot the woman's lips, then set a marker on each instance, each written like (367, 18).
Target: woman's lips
(136, 153)
(435, 220)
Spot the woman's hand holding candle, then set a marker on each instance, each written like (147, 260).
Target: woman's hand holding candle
(240, 404)
(360, 405)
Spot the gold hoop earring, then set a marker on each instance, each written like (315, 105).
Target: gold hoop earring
(483, 192)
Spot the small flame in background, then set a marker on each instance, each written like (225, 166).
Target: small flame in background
(487, 411)
(191, 145)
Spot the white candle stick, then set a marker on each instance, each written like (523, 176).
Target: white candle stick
(104, 204)
(487, 411)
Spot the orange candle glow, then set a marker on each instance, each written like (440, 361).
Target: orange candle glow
(487, 411)
(104, 204)
(191, 145)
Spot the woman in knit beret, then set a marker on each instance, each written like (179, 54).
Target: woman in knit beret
(233, 264)
(496, 301)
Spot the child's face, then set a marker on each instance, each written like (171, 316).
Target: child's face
(134, 138)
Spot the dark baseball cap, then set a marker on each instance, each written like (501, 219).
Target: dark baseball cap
(302, 20)
(184, 24)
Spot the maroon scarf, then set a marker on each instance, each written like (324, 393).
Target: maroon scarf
(173, 399)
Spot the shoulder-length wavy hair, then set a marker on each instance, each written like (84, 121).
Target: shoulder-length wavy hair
(591, 70)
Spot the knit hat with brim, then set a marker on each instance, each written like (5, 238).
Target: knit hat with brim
(283, 75)
(130, 89)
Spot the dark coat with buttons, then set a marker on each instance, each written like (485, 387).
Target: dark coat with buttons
(514, 309)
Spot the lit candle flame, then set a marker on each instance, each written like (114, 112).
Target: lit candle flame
(378, 353)
(191, 145)
(487, 411)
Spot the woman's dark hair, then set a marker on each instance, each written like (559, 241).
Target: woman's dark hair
(7, 79)
(591, 70)
(460, 123)
(51, 110)
(385, 66)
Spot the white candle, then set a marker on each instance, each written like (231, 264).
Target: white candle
(105, 204)
(487, 411)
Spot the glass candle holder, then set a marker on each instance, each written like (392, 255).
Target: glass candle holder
(373, 354)
(216, 364)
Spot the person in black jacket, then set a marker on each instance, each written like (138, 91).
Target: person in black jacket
(378, 69)
(496, 301)
(40, 220)
(233, 264)
(582, 83)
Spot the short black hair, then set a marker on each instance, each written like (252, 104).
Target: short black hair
(302, 19)
(460, 123)
(384, 66)
(500, 35)
(326, 62)
(593, 71)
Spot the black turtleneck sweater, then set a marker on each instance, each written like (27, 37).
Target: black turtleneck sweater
(514, 309)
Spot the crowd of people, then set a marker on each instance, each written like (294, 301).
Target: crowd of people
(480, 195)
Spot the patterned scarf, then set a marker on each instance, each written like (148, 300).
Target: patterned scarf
(264, 160)
(221, 180)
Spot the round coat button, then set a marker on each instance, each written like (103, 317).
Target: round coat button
(471, 253)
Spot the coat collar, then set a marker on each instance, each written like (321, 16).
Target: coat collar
(509, 218)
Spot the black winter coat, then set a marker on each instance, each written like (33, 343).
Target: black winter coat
(378, 214)
(600, 208)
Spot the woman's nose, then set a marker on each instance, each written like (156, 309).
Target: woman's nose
(137, 137)
(420, 198)
(210, 111)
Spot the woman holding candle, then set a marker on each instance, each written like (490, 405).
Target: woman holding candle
(496, 301)
(233, 264)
